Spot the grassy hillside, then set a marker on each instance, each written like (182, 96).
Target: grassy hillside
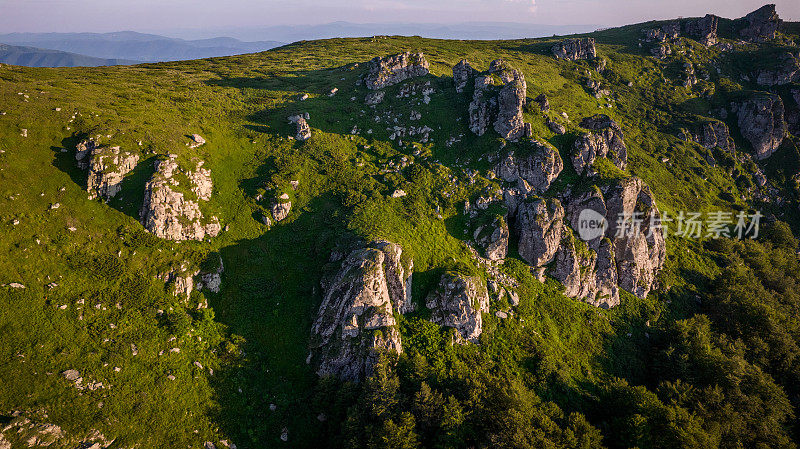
(39, 57)
(560, 369)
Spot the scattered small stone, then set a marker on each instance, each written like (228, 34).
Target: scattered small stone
(23, 132)
(55, 206)
(333, 91)
(304, 97)
(398, 193)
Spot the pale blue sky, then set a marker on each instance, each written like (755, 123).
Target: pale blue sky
(164, 15)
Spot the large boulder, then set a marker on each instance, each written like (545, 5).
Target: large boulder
(704, 29)
(391, 70)
(458, 302)
(761, 122)
(605, 139)
(761, 24)
(356, 320)
(540, 225)
(303, 129)
(172, 214)
(536, 170)
(463, 73)
(107, 168)
(714, 134)
(575, 49)
(787, 71)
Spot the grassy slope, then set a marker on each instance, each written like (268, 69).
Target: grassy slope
(255, 338)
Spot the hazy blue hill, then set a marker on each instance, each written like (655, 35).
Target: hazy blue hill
(39, 57)
(137, 46)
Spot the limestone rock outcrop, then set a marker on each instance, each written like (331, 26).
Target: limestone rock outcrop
(761, 24)
(540, 227)
(356, 319)
(281, 207)
(575, 49)
(665, 33)
(786, 72)
(458, 302)
(497, 100)
(704, 29)
(640, 250)
(391, 70)
(605, 139)
(534, 171)
(171, 214)
(793, 113)
(715, 135)
(493, 238)
(303, 129)
(107, 168)
(463, 73)
(761, 122)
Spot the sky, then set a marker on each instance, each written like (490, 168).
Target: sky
(166, 15)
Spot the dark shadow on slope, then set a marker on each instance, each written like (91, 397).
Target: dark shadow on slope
(269, 298)
(64, 159)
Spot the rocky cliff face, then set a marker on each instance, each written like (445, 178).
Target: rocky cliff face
(575, 49)
(356, 319)
(605, 139)
(761, 121)
(458, 302)
(715, 135)
(391, 70)
(793, 113)
(640, 251)
(704, 30)
(786, 72)
(761, 24)
(493, 238)
(540, 226)
(107, 168)
(497, 100)
(534, 172)
(168, 213)
(463, 73)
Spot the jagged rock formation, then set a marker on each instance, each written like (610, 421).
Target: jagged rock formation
(391, 70)
(107, 168)
(375, 97)
(458, 302)
(168, 213)
(793, 113)
(543, 102)
(303, 129)
(604, 140)
(665, 33)
(21, 431)
(575, 49)
(787, 71)
(498, 99)
(356, 318)
(281, 207)
(83, 152)
(639, 253)
(761, 122)
(534, 172)
(510, 101)
(715, 135)
(540, 226)
(556, 127)
(761, 24)
(462, 74)
(493, 238)
(212, 280)
(704, 30)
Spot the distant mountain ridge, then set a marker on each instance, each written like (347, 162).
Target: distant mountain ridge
(40, 57)
(137, 47)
